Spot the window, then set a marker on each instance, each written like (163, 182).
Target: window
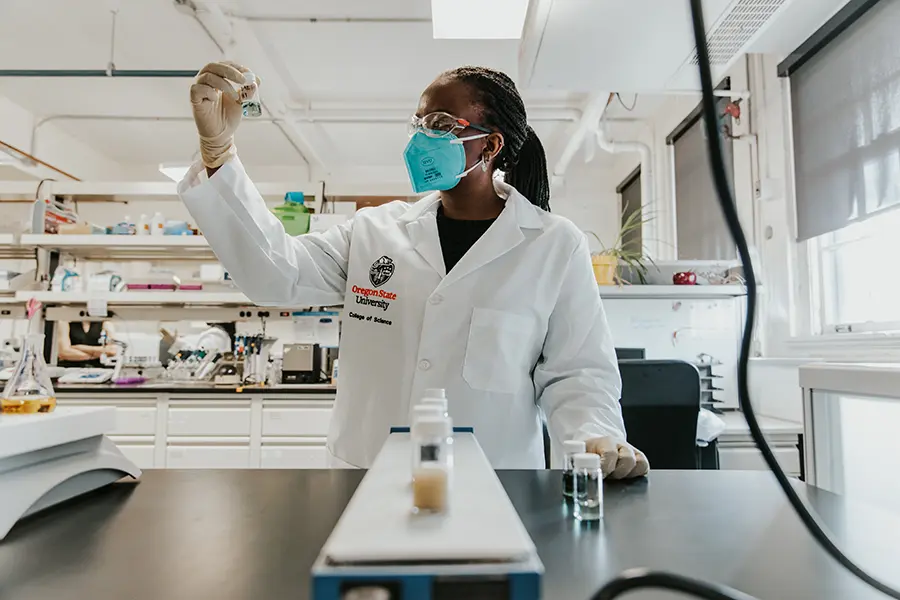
(631, 209)
(702, 233)
(845, 104)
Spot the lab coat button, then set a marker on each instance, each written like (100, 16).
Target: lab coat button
(436, 299)
(424, 365)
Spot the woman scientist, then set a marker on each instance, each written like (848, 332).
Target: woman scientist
(475, 288)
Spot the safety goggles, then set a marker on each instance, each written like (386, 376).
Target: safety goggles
(440, 125)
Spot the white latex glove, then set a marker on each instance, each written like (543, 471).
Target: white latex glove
(617, 459)
(217, 109)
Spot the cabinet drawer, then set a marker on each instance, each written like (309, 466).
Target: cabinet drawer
(209, 421)
(208, 457)
(296, 421)
(140, 454)
(750, 459)
(135, 421)
(294, 457)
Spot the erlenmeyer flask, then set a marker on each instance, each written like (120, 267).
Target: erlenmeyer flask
(29, 389)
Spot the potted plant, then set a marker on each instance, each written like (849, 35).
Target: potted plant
(609, 262)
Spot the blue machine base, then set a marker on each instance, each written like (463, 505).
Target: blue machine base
(514, 586)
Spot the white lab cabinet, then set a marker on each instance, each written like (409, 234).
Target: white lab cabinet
(208, 457)
(217, 429)
(304, 456)
(302, 419)
(141, 454)
(135, 420)
(215, 420)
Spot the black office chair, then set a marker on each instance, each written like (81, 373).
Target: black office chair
(660, 405)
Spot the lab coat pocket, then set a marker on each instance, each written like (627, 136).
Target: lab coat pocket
(497, 351)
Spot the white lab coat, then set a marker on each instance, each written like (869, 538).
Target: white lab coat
(515, 327)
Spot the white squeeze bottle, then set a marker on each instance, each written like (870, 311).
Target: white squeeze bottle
(157, 224)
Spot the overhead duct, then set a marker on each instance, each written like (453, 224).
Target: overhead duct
(731, 34)
(570, 35)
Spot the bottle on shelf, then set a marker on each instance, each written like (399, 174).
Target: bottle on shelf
(293, 214)
(157, 224)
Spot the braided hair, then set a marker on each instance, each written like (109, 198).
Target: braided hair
(522, 158)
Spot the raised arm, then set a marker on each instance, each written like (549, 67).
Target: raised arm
(271, 267)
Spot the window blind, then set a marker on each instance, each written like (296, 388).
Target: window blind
(630, 192)
(845, 104)
(701, 230)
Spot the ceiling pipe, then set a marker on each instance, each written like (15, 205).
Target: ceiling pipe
(593, 111)
(122, 73)
(261, 18)
(648, 180)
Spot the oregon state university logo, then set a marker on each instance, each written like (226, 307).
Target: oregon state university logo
(381, 271)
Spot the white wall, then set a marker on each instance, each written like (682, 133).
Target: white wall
(57, 147)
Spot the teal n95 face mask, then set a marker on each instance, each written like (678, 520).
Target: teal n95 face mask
(437, 163)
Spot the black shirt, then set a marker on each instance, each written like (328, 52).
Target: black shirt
(79, 337)
(458, 236)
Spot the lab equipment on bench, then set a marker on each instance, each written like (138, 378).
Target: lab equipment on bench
(301, 363)
(47, 459)
(29, 390)
(87, 375)
(379, 545)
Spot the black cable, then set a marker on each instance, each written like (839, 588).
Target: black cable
(633, 104)
(641, 579)
(625, 582)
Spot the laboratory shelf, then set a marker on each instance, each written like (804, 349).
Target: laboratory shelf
(155, 298)
(672, 291)
(11, 249)
(115, 247)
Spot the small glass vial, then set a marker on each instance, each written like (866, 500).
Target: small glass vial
(571, 448)
(251, 106)
(432, 464)
(588, 492)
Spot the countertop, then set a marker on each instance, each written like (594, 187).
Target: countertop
(227, 535)
(187, 387)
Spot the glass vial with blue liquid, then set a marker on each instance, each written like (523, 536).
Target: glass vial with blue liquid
(588, 491)
(251, 106)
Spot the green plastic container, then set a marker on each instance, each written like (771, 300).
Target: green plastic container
(293, 214)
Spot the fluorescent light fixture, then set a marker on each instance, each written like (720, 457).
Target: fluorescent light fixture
(478, 19)
(174, 171)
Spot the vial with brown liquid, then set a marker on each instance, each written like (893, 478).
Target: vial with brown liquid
(29, 390)
(432, 464)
